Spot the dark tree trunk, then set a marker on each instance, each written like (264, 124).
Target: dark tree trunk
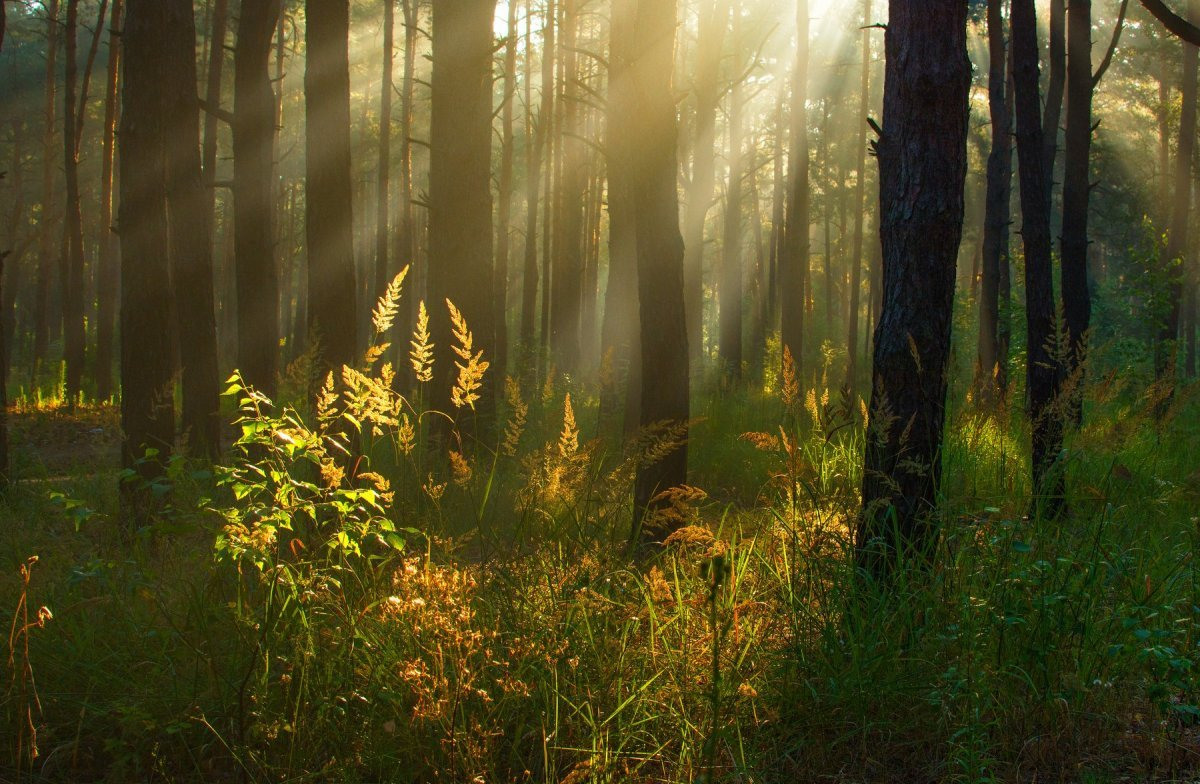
(535, 143)
(504, 207)
(329, 216)
(190, 235)
(566, 283)
(212, 98)
(72, 269)
(654, 165)
(730, 291)
(45, 270)
(860, 194)
(147, 413)
(460, 196)
(383, 196)
(1076, 295)
(1043, 373)
(406, 234)
(1166, 352)
(794, 259)
(1056, 82)
(922, 171)
(992, 371)
(108, 269)
(714, 18)
(257, 276)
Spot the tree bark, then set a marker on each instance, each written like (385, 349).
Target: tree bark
(41, 306)
(566, 283)
(329, 215)
(654, 164)
(147, 412)
(460, 196)
(860, 191)
(794, 259)
(730, 291)
(1043, 372)
(1077, 185)
(922, 171)
(1055, 84)
(190, 241)
(383, 196)
(991, 380)
(504, 206)
(72, 255)
(108, 269)
(257, 276)
(535, 142)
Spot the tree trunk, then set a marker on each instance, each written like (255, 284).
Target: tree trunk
(1043, 373)
(922, 171)
(108, 270)
(1166, 351)
(653, 169)
(550, 118)
(621, 332)
(212, 98)
(860, 205)
(257, 276)
(190, 241)
(1055, 85)
(1076, 295)
(714, 18)
(991, 380)
(41, 306)
(566, 283)
(383, 201)
(72, 268)
(504, 207)
(460, 195)
(147, 413)
(535, 142)
(794, 259)
(730, 291)
(329, 216)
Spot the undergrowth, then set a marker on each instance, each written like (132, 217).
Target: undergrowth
(372, 590)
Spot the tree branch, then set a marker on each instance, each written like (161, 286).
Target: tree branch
(1172, 21)
(1112, 46)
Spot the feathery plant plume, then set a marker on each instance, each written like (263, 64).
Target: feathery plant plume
(473, 366)
(384, 314)
(568, 440)
(790, 392)
(517, 418)
(421, 355)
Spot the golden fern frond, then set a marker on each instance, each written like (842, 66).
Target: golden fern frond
(516, 420)
(791, 384)
(421, 355)
(471, 369)
(384, 314)
(568, 439)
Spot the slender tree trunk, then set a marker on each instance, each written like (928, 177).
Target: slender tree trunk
(383, 201)
(1043, 373)
(1166, 352)
(535, 142)
(922, 170)
(257, 275)
(621, 334)
(992, 371)
(72, 269)
(1164, 146)
(860, 205)
(147, 412)
(550, 118)
(1055, 85)
(778, 210)
(1077, 185)
(794, 260)
(460, 196)
(190, 240)
(566, 283)
(654, 164)
(407, 234)
(329, 216)
(730, 291)
(108, 269)
(714, 19)
(504, 205)
(41, 307)
(212, 99)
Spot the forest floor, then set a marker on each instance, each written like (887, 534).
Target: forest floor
(488, 625)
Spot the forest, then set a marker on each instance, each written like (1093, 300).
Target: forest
(566, 391)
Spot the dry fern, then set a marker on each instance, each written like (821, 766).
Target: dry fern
(421, 354)
(470, 371)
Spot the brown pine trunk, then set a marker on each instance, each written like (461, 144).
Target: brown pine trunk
(1043, 374)
(329, 215)
(991, 373)
(383, 202)
(550, 113)
(72, 254)
(108, 271)
(730, 292)
(190, 242)
(860, 205)
(406, 234)
(257, 276)
(504, 205)
(1055, 85)
(922, 171)
(1076, 294)
(460, 196)
(566, 283)
(46, 257)
(212, 98)
(654, 164)
(147, 413)
(1166, 351)
(794, 258)
(535, 142)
